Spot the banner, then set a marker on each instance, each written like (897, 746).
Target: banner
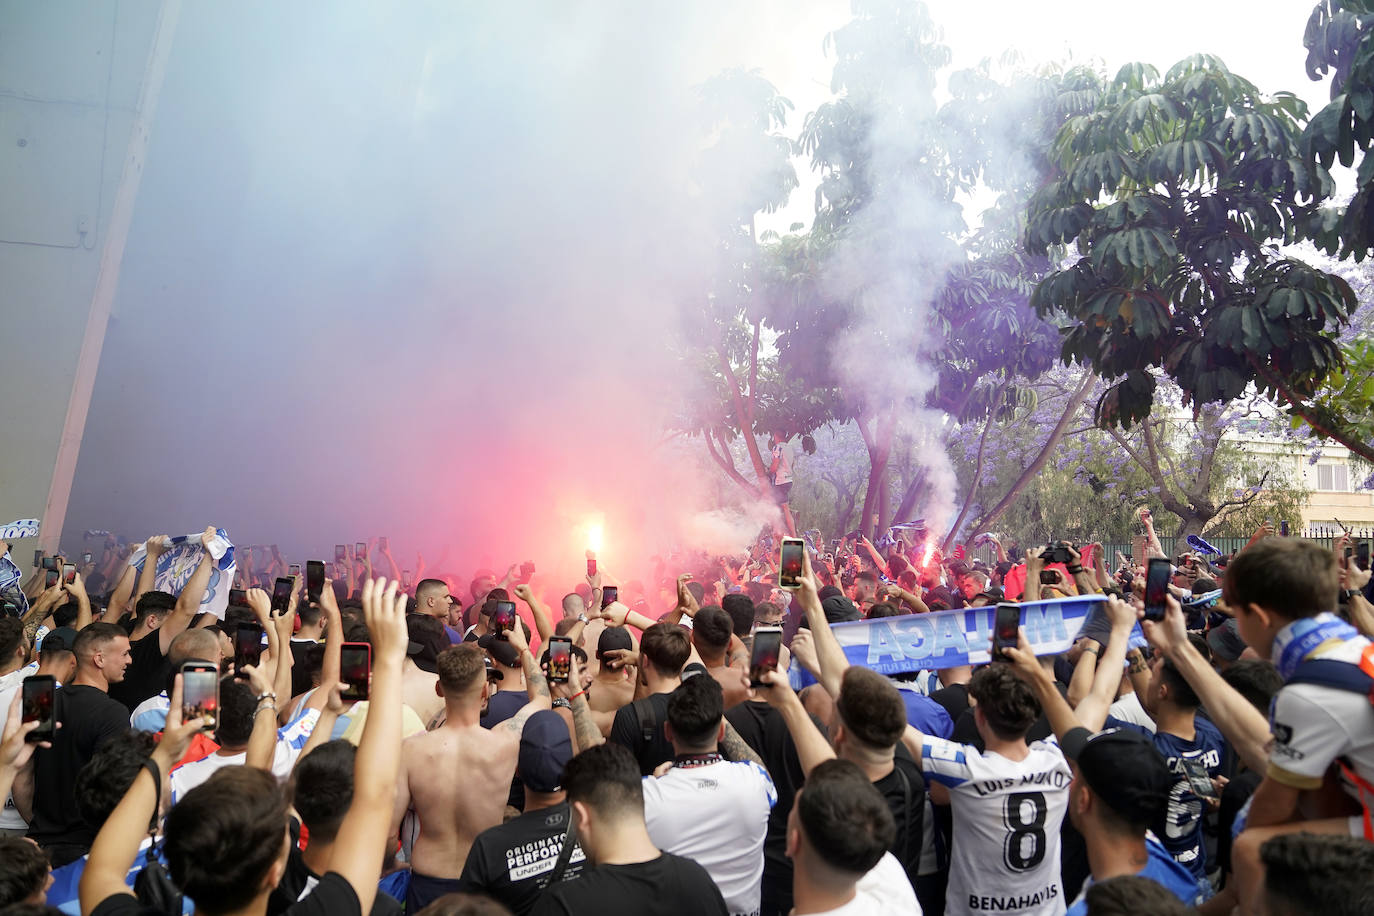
(963, 636)
(20, 528)
(11, 590)
(176, 564)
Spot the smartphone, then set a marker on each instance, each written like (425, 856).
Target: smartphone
(360, 549)
(281, 595)
(405, 579)
(50, 578)
(560, 659)
(48, 563)
(200, 693)
(247, 646)
(238, 596)
(1156, 587)
(86, 557)
(39, 693)
(340, 553)
(1004, 627)
(1198, 778)
(37, 558)
(383, 544)
(1049, 577)
(314, 580)
(68, 573)
(790, 556)
(610, 594)
(1349, 552)
(591, 566)
(503, 618)
(765, 654)
(1283, 528)
(1362, 555)
(355, 670)
(294, 570)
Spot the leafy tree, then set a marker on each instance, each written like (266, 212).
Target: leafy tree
(1176, 192)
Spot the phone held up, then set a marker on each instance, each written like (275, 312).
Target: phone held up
(1157, 587)
(39, 693)
(1004, 628)
(247, 647)
(503, 617)
(765, 655)
(200, 693)
(314, 580)
(791, 555)
(560, 659)
(610, 594)
(281, 595)
(355, 670)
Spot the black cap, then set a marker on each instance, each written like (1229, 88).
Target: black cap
(1123, 769)
(427, 640)
(613, 638)
(839, 609)
(493, 673)
(501, 650)
(58, 640)
(545, 748)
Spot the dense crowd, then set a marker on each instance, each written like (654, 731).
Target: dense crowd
(367, 738)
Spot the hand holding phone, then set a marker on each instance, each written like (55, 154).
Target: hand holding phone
(1157, 576)
(765, 655)
(314, 580)
(340, 553)
(560, 659)
(355, 671)
(1005, 628)
(503, 617)
(39, 694)
(200, 693)
(247, 647)
(790, 557)
(610, 594)
(282, 589)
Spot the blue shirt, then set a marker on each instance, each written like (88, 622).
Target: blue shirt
(66, 882)
(925, 715)
(1160, 868)
(1181, 828)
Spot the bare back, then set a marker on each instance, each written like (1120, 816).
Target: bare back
(458, 778)
(607, 694)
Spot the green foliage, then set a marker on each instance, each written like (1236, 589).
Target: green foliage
(1175, 191)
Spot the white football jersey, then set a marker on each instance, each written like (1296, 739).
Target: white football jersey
(1007, 815)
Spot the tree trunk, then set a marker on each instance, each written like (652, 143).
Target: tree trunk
(744, 412)
(912, 495)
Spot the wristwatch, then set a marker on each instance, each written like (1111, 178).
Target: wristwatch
(582, 618)
(1347, 594)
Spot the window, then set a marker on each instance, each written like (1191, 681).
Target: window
(1333, 478)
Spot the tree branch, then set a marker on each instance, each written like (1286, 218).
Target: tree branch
(1363, 449)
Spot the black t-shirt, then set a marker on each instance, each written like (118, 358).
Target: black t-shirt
(297, 877)
(953, 698)
(667, 886)
(88, 718)
(512, 862)
(333, 896)
(146, 675)
(300, 665)
(763, 729)
(627, 732)
(906, 798)
(503, 705)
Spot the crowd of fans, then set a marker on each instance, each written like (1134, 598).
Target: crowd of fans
(386, 746)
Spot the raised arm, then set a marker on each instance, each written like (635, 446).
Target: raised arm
(1061, 717)
(542, 624)
(830, 657)
(188, 602)
(536, 687)
(1092, 710)
(119, 599)
(262, 742)
(153, 548)
(361, 845)
(618, 615)
(812, 746)
(1152, 545)
(1083, 578)
(332, 665)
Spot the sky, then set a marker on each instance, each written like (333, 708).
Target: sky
(419, 269)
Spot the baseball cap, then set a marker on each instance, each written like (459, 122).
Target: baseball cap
(1225, 641)
(62, 638)
(613, 638)
(1122, 768)
(545, 748)
(839, 609)
(493, 673)
(427, 640)
(501, 650)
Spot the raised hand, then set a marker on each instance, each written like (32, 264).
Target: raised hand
(176, 734)
(1171, 633)
(384, 610)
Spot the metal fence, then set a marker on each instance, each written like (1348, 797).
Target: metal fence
(1326, 536)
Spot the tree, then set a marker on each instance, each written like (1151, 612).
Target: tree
(1176, 192)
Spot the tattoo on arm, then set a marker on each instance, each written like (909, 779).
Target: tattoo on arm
(733, 747)
(1138, 665)
(588, 735)
(535, 685)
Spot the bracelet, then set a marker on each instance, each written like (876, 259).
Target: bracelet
(271, 706)
(1097, 652)
(576, 695)
(1075, 570)
(264, 696)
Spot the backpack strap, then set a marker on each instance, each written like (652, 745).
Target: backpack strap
(647, 715)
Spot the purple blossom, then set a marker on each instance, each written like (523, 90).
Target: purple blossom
(1368, 483)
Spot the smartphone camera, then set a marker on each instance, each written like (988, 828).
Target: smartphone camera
(560, 659)
(610, 594)
(247, 647)
(355, 670)
(281, 595)
(314, 580)
(791, 556)
(765, 655)
(1004, 629)
(39, 694)
(200, 693)
(1157, 588)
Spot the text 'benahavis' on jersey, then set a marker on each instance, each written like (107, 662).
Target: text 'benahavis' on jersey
(1007, 815)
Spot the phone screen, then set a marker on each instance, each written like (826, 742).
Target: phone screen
(503, 617)
(39, 693)
(790, 556)
(765, 655)
(1156, 588)
(360, 549)
(247, 646)
(68, 573)
(1362, 555)
(86, 557)
(383, 544)
(1198, 778)
(609, 595)
(294, 570)
(314, 579)
(1004, 628)
(200, 693)
(50, 578)
(281, 595)
(560, 659)
(238, 596)
(1049, 577)
(49, 562)
(38, 559)
(340, 553)
(591, 566)
(355, 670)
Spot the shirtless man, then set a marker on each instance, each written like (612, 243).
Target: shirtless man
(613, 684)
(457, 777)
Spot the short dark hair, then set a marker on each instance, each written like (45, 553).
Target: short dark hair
(1256, 680)
(695, 709)
(605, 778)
(1289, 576)
(666, 647)
(712, 627)
(106, 777)
(461, 668)
(153, 603)
(1313, 875)
(1127, 895)
(425, 586)
(11, 636)
(1181, 693)
(223, 836)
(1007, 702)
(871, 708)
(321, 788)
(740, 607)
(845, 819)
(94, 637)
(884, 609)
(766, 612)
(237, 705)
(309, 613)
(25, 872)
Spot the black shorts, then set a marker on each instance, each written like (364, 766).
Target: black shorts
(780, 491)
